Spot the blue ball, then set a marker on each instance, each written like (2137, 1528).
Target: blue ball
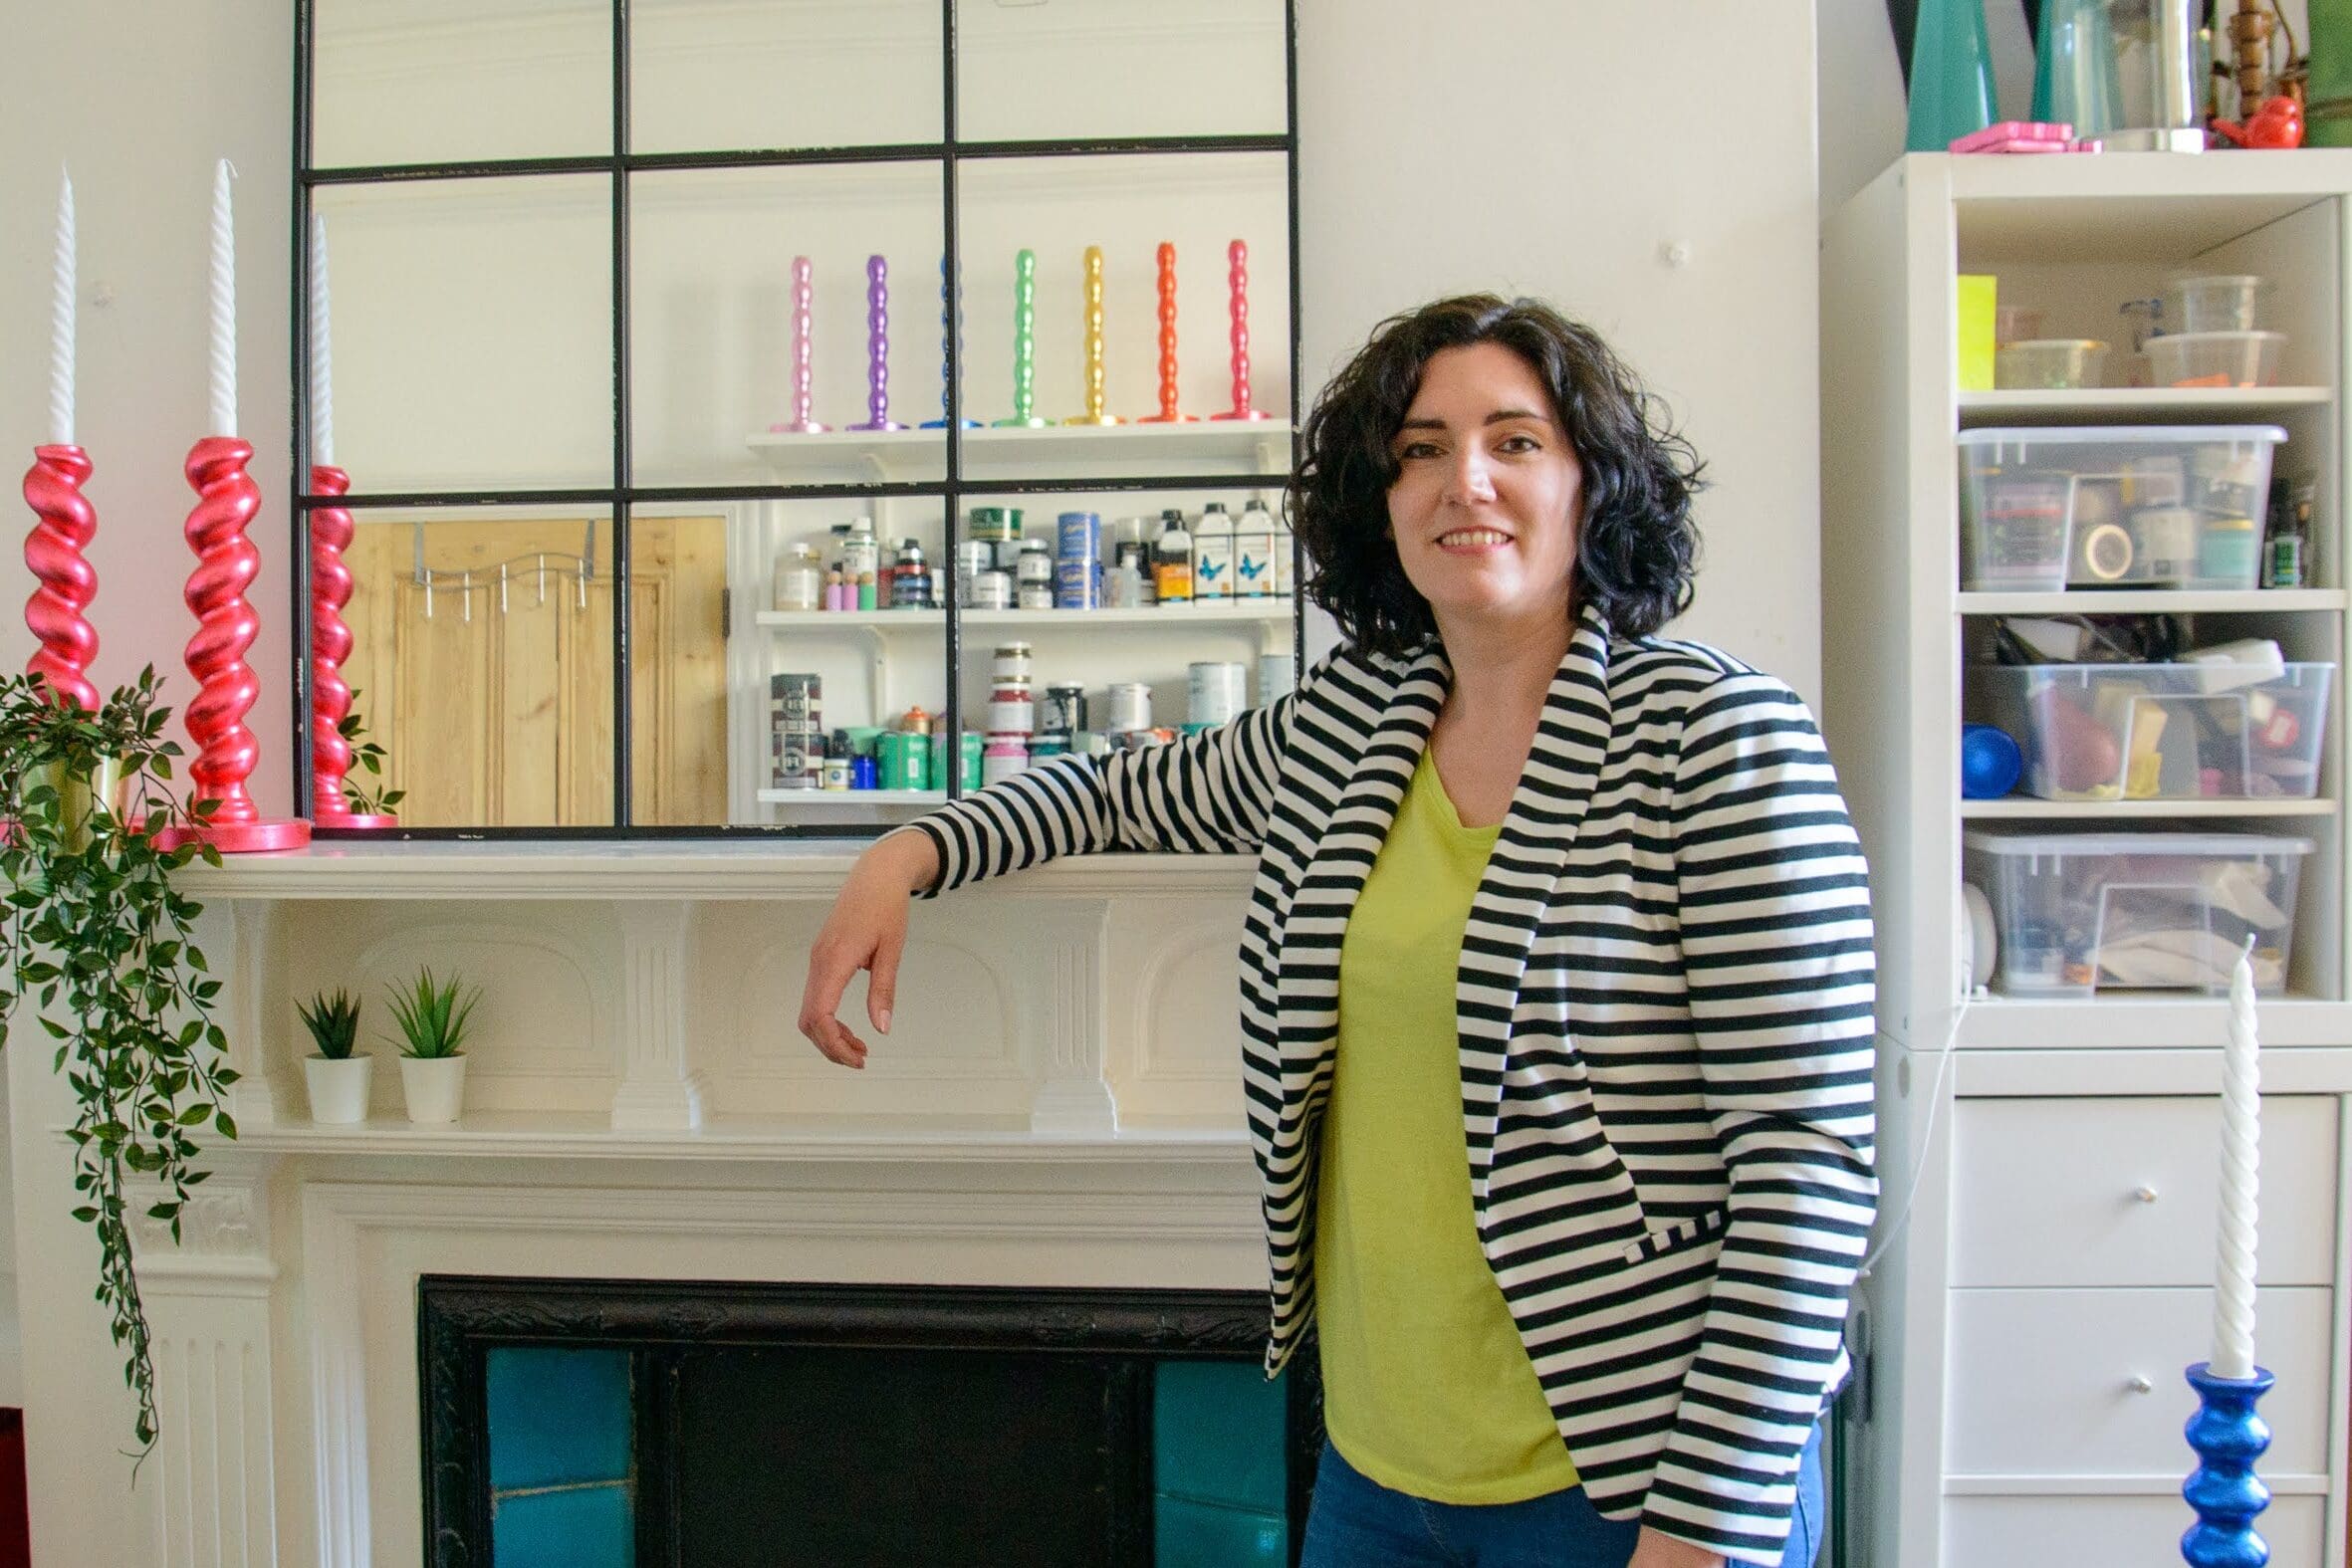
(1990, 763)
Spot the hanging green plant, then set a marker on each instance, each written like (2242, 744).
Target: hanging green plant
(94, 933)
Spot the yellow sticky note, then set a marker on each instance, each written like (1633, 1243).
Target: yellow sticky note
(1976, 293)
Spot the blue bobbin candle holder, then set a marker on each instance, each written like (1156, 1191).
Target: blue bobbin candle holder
(2224, 1489)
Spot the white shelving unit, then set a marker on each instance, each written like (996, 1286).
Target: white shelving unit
(1240, 446)
(2052, 1164)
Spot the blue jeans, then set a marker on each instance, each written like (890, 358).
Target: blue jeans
(1355, 1523)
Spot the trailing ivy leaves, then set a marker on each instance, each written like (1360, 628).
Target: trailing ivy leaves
(93, 931)
(368, 757)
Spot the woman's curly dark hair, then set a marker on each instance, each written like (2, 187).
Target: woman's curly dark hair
(1636, 548)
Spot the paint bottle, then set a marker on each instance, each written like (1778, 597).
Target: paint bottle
(800, 580)
(1252, 552)
(1171, 559)
(1284, 569)
(910, 583)
(1212, 555)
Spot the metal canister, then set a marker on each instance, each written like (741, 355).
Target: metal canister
(993, 523)
(974, 556)
(910, 583)
(1035, 567)
(1216, 692)
(1066, 710)
(1077, 584)
(990, 590)
(1278, 677)
(1041, 747)
(905, 761)
(1078, 535)
(1131, 707)
(1037, 597)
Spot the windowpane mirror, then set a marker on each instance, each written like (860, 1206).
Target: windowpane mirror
(718, 332)
(737, 76)
(1058, 69)
(472, 332)
(482, 661)
(448, 80)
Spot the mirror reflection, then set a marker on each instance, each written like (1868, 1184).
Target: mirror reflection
(706, 76)
(443, 81)
(1058, 69)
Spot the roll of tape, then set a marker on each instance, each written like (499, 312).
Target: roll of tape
(2107, 553)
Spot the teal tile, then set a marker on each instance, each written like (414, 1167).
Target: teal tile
(1218, 1434)
(557, 1416)
(1188, 1534)
(581, 1527)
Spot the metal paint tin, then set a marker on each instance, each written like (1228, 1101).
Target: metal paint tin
(1216, 692)
(1131, 707)
(1066, 710)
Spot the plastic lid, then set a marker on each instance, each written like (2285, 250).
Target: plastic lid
(2122, 435)
(2236, 844)
(2218, 337)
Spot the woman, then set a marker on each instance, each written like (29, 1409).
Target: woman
(1556, 979)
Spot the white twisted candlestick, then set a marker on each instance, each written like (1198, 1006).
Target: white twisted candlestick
(224, 306)
(61, 322)
(322, 352)
(2241, 1136)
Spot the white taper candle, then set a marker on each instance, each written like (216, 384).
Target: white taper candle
(224, 306)
(60, 321)
(322, 352)
(2242, 1133)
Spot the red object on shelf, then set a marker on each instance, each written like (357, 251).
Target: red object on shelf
(2277, 124)
(331, 644)
(1237, 255)
(1167, 415)
(16, 1523)
(67, 524)
(226, 564)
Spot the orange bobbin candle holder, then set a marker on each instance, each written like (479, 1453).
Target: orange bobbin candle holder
(226, 564)
(1167, 415)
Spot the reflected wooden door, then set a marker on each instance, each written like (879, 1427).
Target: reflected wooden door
(490, 686)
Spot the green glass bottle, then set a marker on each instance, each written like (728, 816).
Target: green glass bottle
(1951, 73)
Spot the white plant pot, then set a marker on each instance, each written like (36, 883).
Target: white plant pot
(434, 1088)
(339, 1089)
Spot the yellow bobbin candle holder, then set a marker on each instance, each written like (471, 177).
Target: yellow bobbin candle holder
(1093, 414)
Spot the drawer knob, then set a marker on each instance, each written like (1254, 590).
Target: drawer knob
(2146, 1194)
(2140, 1385)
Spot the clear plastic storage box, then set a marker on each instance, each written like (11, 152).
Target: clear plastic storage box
(2080, 913)
(2160, 731)
(2114, 505)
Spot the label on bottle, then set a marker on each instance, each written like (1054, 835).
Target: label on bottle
(1212, 566)
(1173, 580)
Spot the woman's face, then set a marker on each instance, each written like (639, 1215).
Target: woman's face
(1487, 495)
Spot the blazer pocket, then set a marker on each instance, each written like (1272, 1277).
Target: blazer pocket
(1672, 1237)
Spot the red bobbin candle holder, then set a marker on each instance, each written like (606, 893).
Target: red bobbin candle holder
(1168, 414)
(330, 643)
(226, 564)
(64, 526)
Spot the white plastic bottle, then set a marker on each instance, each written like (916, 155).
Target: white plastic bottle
(1252, 552)
(1212, 555)
(1283, 571)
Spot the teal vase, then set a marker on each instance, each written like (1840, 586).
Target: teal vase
(2075, 77)
(1951, 73)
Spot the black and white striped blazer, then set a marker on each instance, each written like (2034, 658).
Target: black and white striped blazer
(1665, 1002)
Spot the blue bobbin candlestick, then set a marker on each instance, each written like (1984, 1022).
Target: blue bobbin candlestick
(951, 323)
(2224, 1489)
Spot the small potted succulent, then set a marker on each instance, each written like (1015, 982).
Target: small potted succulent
(337, 1076)
(433, 1019)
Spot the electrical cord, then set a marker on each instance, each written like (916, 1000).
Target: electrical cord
(1927, 1141)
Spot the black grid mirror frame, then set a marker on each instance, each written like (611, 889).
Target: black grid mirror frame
(620, 164)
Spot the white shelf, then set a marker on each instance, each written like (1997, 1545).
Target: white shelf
(1248, 611)
(2149, 601)
(2015, 809)
(1053, 451)
(1988, 408)
(821, 797)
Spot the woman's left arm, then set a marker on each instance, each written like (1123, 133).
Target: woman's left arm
(1774, 912)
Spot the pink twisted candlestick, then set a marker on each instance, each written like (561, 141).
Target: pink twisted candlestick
(1167, 415)
(67, 524)
(331, 644)
(226, 564)
(1237, 255)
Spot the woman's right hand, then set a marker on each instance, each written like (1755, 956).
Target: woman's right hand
(866, 930)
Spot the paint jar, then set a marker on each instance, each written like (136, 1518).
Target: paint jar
(1216, 692)
(974, 556)
(905, 761)
(1004, 756)
(995, 524)
(1035, 566)
(1278, 677)
(800, 578)
(1066, 710)
(1131, 707)
(1077, 584)
(1035, 596)
(991, 589)
(1011, 664)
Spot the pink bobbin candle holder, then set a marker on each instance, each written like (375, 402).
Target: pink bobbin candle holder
(65, 524)
(1237, 255)
(330, 643)
(226, 564)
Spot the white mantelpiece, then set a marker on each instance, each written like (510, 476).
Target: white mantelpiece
(1059, 1103)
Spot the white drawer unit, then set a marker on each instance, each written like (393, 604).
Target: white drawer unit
(2110, 1532)
(2124, 1192)
(2050, 1382)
